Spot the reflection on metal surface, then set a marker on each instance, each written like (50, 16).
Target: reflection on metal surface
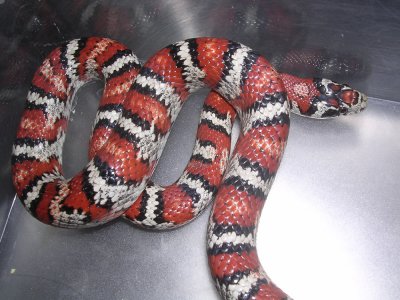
(337, 224)
(330, 227)
(8, 217)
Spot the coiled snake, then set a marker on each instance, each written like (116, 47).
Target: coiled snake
(136, 112)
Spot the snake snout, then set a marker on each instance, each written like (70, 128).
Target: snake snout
(352, 101)
(363, 102)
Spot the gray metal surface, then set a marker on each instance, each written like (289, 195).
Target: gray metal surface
(330, 228)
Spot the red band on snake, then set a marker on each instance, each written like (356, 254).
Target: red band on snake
(138, 107)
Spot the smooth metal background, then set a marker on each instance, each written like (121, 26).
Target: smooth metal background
(331, 226)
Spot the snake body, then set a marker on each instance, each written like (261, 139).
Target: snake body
(138, 107)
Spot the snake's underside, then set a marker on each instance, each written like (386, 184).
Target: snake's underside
(138, 107)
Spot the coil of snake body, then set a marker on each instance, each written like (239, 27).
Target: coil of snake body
(138, 107)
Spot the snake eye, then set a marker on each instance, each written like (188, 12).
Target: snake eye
(343, 110)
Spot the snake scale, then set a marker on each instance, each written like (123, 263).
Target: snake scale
(137, 109)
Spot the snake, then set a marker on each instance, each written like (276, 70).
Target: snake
(136, 112)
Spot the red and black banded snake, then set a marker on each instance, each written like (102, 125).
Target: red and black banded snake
(138, 107)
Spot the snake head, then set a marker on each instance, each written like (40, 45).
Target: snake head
(337, 99)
